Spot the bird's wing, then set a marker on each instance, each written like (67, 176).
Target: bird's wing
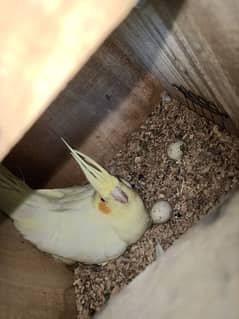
(41, 213)
(65, 193)
(51, 193)
(63, 199)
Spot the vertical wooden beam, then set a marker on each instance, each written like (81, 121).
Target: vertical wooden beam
(43, 43)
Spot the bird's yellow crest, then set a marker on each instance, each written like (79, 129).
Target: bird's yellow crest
(103, 182)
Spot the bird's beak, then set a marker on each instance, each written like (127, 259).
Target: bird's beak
(98, 177)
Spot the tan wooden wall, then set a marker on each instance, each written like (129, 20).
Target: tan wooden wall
(43, 44)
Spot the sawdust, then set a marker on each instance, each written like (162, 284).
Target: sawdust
(208, 169)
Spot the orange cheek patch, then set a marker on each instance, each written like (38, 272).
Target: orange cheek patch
(104, 209)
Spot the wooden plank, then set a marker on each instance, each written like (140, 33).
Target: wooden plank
(189, 43)
(43, 43)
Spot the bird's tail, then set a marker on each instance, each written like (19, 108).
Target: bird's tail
(12, 191)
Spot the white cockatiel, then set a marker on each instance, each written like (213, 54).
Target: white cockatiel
(90, 224)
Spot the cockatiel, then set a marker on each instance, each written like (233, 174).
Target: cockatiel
(90, 224)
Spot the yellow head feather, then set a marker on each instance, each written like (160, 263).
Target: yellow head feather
(99, 178)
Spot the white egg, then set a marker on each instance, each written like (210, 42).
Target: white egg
(161, 212)
(174, 150)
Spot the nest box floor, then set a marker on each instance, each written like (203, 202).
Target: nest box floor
(209, 168)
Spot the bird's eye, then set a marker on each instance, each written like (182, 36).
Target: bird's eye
(102, 199)
(119, 195)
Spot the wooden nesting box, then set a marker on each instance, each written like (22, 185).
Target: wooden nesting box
(48, 90)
